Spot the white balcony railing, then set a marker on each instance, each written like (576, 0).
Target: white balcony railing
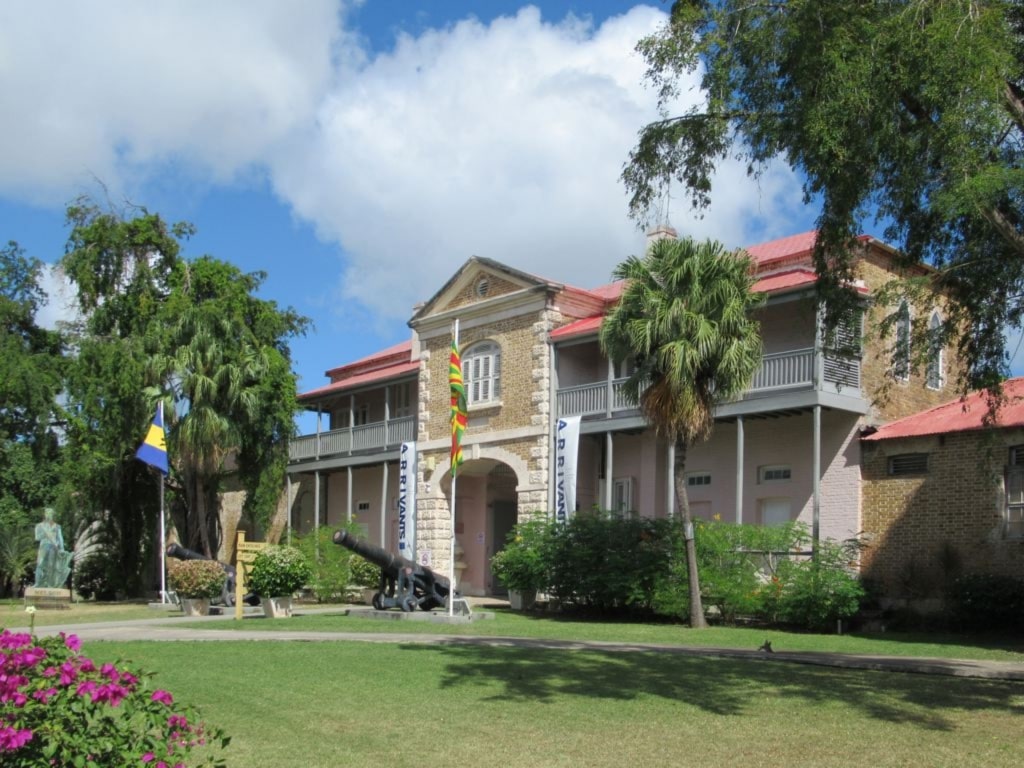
(779, 371)
(364, 438)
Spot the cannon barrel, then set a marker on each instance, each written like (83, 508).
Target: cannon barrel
(388, 562)
(181, 553)
(404, 583)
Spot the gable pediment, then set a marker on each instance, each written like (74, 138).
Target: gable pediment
(478, 281)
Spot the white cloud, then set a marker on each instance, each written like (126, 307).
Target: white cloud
(504, 140)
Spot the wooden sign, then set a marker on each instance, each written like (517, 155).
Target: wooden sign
(245, 553)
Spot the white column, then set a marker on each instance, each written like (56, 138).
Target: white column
(288, 503)
(383, 505)
(670, 474)
(816, 504)
(316, 501)
(609, 465)
(739, 469)
(348, 500)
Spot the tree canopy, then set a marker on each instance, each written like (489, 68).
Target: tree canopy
(909, 112)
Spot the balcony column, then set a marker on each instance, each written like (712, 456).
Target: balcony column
(288, 502)
(816, 492)
(609, 389)
(316, 501)
(739, 469)
(608, 466)
(670, 475)
(818, 376)
(387, 412)
(383, 505)
(317, 452)
(351, 423)
(348, 499)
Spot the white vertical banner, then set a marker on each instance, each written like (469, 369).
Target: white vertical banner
(407, 501)
(567, 443)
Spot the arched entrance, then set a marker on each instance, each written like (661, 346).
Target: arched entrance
(486, 509)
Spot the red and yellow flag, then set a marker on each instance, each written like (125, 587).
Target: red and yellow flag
(458, 393)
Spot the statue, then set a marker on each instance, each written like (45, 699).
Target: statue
(53, 564)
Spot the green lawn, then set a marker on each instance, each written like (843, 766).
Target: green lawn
(359, 704)
(510, 624)
(12, 613)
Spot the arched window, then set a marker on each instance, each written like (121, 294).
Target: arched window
(901, 350)
(481, 373)
(934, 372)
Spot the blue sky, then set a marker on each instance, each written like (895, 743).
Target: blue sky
(358, 153)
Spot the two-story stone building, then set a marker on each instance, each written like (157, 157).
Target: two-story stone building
(788, 449)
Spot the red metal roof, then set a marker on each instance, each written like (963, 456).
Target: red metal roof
(787, 247)
(375, 376)
(963, 415)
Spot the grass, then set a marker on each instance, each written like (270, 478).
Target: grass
(360, 704)
(510, 624)
(12, 613)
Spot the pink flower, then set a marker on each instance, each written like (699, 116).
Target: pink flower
(163, 697)
(71, 641)
(45, 695)
(12, 739)
(149, 757)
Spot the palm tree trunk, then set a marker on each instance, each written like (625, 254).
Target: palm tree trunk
(697, 620)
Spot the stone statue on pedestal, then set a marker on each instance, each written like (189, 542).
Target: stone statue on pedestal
(53, 564)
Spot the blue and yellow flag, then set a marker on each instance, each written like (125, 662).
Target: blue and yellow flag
(153, 450)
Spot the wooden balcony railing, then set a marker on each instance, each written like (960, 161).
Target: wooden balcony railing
(364, 438)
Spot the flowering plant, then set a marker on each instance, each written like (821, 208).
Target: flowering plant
(57, 707)
(278, 572)
(196, 579)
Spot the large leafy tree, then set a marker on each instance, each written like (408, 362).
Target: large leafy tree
(685, 319)
(157, 326)
(31, 371)
(911, 111)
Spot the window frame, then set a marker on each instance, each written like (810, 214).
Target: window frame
(764, 470)
(933, 377)
(482, 389)
(901, 345)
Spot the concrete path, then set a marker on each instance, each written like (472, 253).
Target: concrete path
(172, 630)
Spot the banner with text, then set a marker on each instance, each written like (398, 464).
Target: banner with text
(407, 501)
(567, 442)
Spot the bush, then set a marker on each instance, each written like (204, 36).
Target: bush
(95, 576)
(817, 593)
(196, 579)
(364, 574)
(987, 601)
(278, 572)
(61, 709)
(330, 565)
(523, 564)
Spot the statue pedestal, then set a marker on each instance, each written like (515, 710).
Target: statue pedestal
(42, 597)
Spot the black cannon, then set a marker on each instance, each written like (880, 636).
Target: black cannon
(403, 583)
(227, 595)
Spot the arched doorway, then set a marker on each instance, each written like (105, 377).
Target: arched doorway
(486, 509)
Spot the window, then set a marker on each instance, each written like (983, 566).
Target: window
(901, 349)
(776, 511)
(934, 373)
(1015, 494)
(404, 401)
(361, 415)
(622, 495)
(774, 473)
(908, 464)
(698, 479)
(481, 373)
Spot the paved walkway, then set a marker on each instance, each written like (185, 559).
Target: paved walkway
(170, 629)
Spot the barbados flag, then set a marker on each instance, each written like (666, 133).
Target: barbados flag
(153, 450)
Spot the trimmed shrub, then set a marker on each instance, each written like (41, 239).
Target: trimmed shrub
(330, 565)
(279, 572)
(523, 565)
(987, 601)
(196, 579)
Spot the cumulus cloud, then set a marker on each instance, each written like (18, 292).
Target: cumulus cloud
(502, 139)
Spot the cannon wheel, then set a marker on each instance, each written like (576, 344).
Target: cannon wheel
(377, 601)
(409, 604)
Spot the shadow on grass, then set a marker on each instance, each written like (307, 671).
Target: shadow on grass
(719, 686)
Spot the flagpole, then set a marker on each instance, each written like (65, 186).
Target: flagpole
(163, 545)
(451, 559)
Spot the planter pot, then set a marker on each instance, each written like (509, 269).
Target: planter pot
(277, 607)
(194, 606)
(522, 601)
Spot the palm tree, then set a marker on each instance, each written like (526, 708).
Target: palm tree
(685, 319)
